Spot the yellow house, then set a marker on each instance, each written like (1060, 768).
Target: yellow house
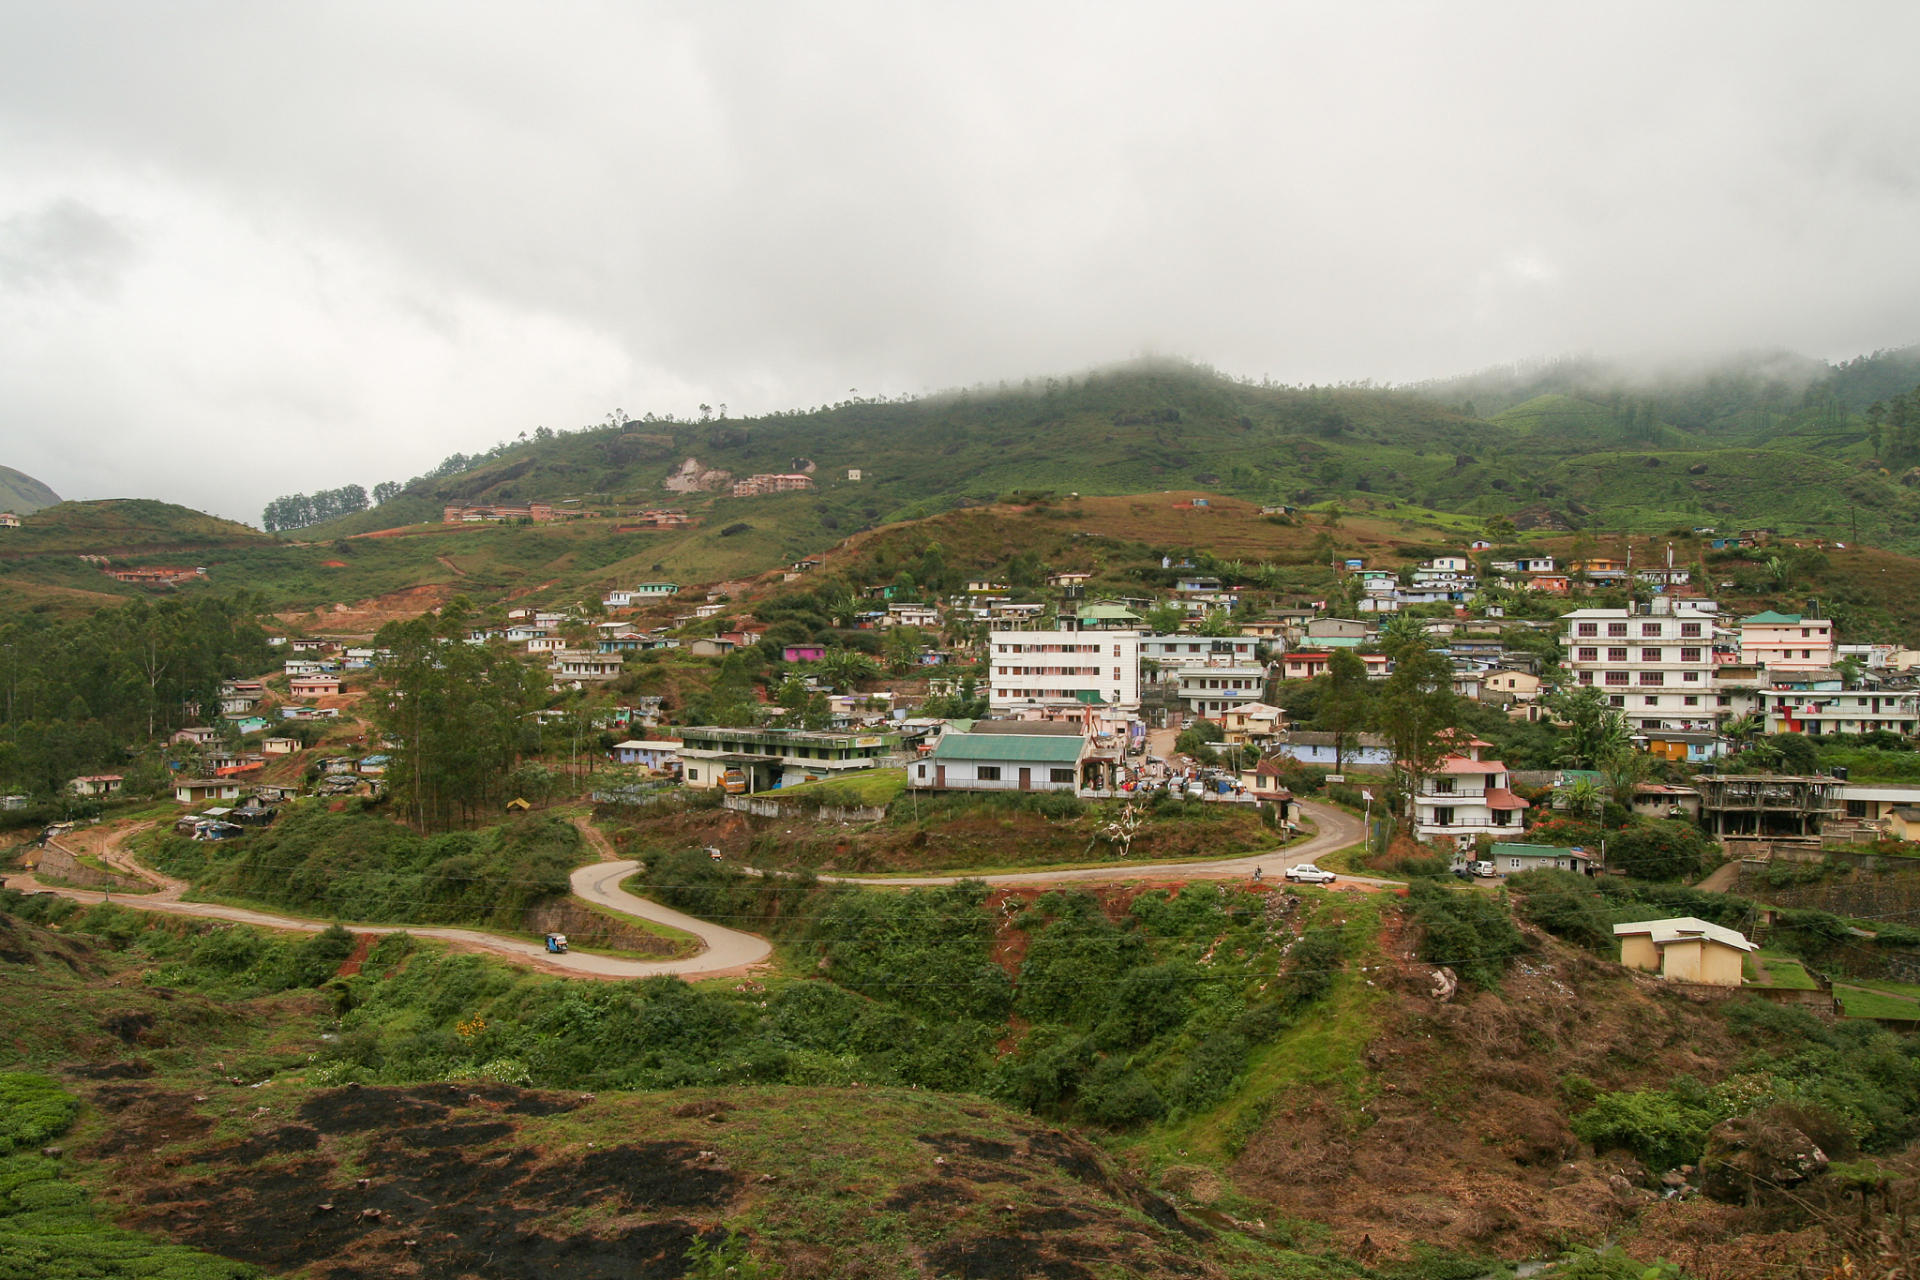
(1684, 950)
(1902, 822)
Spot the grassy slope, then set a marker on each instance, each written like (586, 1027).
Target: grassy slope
(21, 494)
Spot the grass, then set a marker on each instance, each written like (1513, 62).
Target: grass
(1785, 972)
(868, 788)
(1872, 1004)
(1325, 1050)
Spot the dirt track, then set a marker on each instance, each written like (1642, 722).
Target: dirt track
(1337, 830)
(725, 951)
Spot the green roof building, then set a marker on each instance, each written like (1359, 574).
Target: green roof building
(1002, 762)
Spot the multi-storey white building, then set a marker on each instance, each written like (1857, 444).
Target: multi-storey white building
(1030, 670)
(1207, 691)
(1467, 797)
(1656, 668)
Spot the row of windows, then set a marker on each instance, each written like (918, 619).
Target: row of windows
(1619, 654)
(1626, 677)
(1688, 630)
(1690, 700)
(1055, 671)
(1224, 684)
(1053, 648)
(991, 773)
(1047, 693)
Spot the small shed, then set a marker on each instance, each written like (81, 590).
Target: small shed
(1684, 950)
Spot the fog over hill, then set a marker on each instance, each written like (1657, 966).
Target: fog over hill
(417, 244)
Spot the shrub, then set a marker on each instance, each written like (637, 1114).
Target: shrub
(1662, 850)
(1465, 930)
(1565, 904)
(1661, 1128)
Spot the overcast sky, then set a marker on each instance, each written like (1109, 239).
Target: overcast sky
(253, 248)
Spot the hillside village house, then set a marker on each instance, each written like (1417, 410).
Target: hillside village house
(314, 686)
(578, 667)
(279, 746)
(1252, 722)
(1304, 664)
(1465, 797)
(1656, 668)
(202, 790)
(477, 512)
(1787, 642)
(803, 653)
(754, 486)
(649, 753)
(97, 784)
(1523, 686)
(768, 758)
(1815, 702)
(1511, 859)
(1684, 949)
(306, 666)
(1364, 751)
(198, 736)
(1002, 762)
(646, 591)
(1208, 691)
(911, 615)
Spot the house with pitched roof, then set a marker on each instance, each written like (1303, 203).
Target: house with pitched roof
(1467, 796)
(1001, 762)
(1684, 949)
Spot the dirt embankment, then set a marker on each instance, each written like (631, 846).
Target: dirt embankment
(1460, 1133)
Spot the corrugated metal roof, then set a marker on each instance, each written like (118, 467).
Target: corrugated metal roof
(1043, 749)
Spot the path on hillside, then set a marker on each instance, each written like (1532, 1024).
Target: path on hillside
(1336, 830)
(448, 561)
(726, 951)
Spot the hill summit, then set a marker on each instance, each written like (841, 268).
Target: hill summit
(21, 494)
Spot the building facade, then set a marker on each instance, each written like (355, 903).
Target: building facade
(1029, 670)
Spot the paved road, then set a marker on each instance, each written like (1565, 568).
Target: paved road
(1336, 830)
(725, 951)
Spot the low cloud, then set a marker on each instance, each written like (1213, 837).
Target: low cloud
(246, 250)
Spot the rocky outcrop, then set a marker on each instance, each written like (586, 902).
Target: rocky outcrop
(1752, 1155)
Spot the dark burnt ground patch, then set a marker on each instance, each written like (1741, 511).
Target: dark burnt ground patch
(136, 1069)
(936, 1192)
(855, 1183)
(257, 1147)
(648, 1175)
(426, 1136)
(437, 1200)
(356, 1110)
(142, 1118)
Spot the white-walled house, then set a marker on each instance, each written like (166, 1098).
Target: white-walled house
(650, 753)
(1001, 762)
(1466, 797)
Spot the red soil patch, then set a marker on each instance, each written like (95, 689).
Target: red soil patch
(333, 564)
(362, 944)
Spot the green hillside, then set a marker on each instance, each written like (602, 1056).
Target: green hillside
(21, 494)
(1780, 441)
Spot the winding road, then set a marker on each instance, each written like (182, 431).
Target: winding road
(724, 951)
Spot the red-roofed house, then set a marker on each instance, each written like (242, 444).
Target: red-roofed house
(1467, 796)
(314, 686)
(1305, 664)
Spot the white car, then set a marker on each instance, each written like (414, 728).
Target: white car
(1307, 873)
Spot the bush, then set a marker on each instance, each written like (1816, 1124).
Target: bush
(1464, 930)
(1566, 905)
(1662, 850)
(1663, 1129)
